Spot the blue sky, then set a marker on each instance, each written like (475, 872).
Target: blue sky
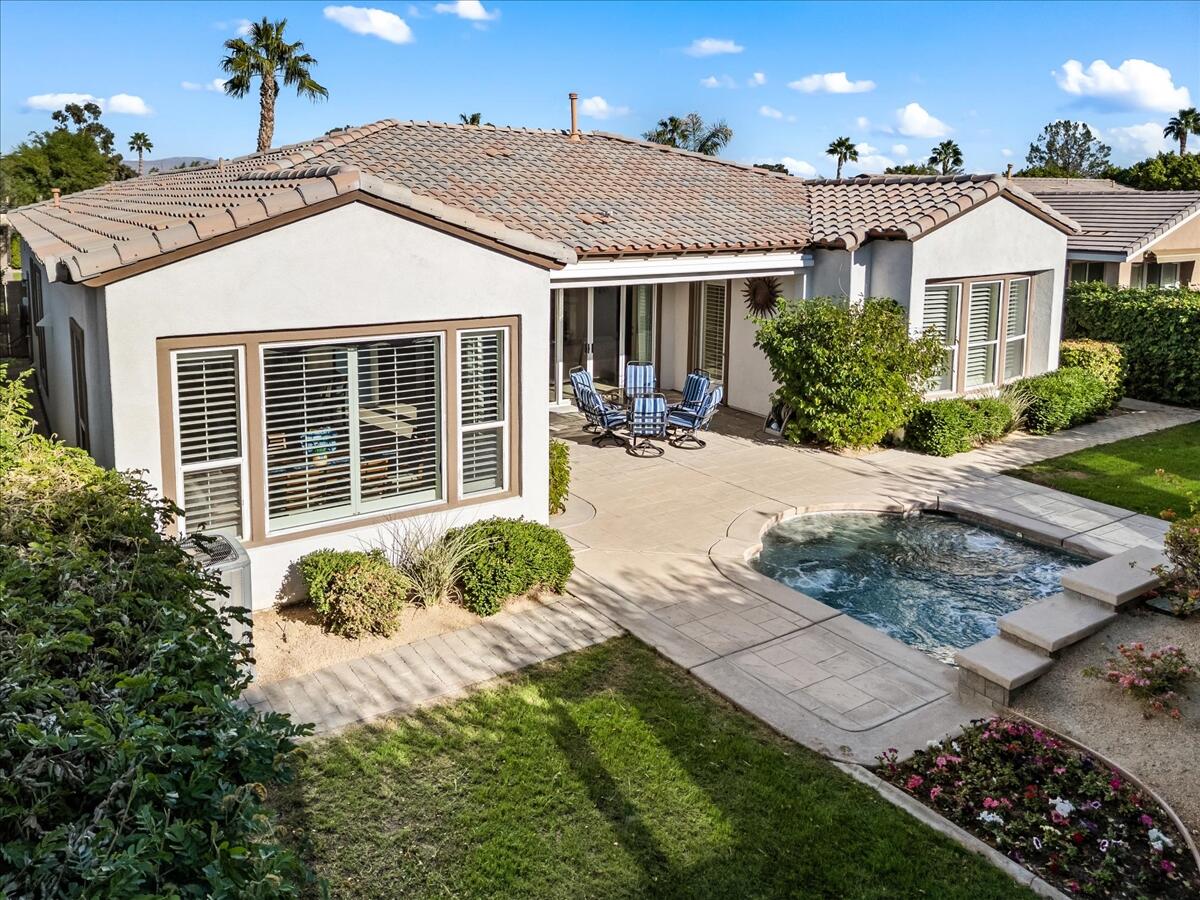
(895, 77)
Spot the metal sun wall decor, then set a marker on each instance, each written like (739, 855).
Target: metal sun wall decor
(762, 296)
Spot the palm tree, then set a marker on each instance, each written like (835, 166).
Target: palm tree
(139, 143)
(265, 56)
(947, 155)
(470, 118)
(844, 151)
(691, 133)
(1180, 126)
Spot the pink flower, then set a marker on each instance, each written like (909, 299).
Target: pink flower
(914, 782)
(1145, 820)
(1059, 770)
(989, 803)
(1115, 782)
(935, 792)
(1168, 866)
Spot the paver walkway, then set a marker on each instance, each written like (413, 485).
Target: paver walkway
(398, 680)
(659, 546)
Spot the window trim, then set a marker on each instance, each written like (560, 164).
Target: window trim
(1007, 338)
(504, 423)
(37, 312)
(79, 394)
(257, 533)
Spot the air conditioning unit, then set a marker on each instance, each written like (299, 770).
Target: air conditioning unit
(222, 554)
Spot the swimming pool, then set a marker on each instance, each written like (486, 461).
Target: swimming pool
(931, 581)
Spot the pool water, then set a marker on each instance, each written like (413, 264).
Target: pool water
(931, 581)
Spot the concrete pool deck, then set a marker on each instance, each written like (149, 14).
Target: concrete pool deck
(661, 543)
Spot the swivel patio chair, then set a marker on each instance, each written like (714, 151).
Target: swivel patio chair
(601, 416)
(639, 379)
(647, 419)
(688, 423)
(581, 381)
(695, 389)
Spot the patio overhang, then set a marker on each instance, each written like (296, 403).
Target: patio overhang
(685, 267)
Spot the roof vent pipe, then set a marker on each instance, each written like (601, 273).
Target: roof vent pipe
(575, 135)
(1008, 174)
(220, 164)
(56, 193)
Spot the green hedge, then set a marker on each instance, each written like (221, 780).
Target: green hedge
(1158, 330)
(1102, 358)
(1062, 399)
(560, 475)
(512, 556)
(128, 768)
(355, 592)
(956, 424)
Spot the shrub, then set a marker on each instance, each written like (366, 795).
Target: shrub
(1158, 330)
(1157, 678)
(995, 417)
(1182, 546)
(355, 592)
(851, 372)
(942, 427)
(1102, 358)
(129, 767)
(1062, 399)
(430, 558)
(512, 557)
(560, 475)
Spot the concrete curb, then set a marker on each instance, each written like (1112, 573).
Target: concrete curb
(959, 835)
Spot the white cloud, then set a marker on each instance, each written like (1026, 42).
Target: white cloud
(831, 83)
(217, 85)
(368, 20)
(864, 149)
(871, 162)
(1134, 84)
(242, 27)
(914, 121)
(599, 108)
(713, 81)
(1005, 152)
(770, 112)
(900, 149)
(757, 79)
(1140, 140)
(799, 167)
(471, 10)
(863, 122)
(118, 104)
(713, 47)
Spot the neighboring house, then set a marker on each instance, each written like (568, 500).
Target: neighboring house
(304, 344)
(1130, 238)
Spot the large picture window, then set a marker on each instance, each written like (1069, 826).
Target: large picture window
(483, 402)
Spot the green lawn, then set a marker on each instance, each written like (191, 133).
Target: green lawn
(1123, 473)
(606, 773)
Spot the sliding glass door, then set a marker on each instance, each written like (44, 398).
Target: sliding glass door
(600, 329)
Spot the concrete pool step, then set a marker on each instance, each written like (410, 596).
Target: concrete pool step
(1119, 579)
(1053, 624)
(994, 669)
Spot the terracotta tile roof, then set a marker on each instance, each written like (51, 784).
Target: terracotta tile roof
(536, 191)
(1122, 222)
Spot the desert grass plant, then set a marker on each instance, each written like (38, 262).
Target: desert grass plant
(432, 558)
(1156, 678)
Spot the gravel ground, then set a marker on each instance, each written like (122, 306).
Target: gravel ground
(1163, 752)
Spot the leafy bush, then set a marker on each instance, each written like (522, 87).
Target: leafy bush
(129, 768)
(1157, 678)
(355, 592)
(1102, 358)
(1182, 546)
(430, 558)
(560, 475)
(512, 557)
(1163, 172)
(1062, 399)
(851, 373)
(1158, 330)
(996, 416)
(943, 427)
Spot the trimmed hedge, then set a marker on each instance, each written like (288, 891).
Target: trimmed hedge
(996, 417)
(1158, 330)
(1102, 358)
(560, 475)
(129, 769)
(512, 557)
(956, 424)
(1062, 399)
(355, 592)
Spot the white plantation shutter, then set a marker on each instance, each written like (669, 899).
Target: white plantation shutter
(1016, 328)
(209, 440)
(983, 316)
(941, 312)
(483, 409)
(712, 329)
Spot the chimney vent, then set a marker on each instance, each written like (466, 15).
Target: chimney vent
(575, 135)
(220, 164)
(1008, 174)
(56, 193)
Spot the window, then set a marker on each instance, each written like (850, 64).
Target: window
(352, 428)
(983, 325)
(483, 407)
(942, 303)
(1137, 275)
(37, 310)
(711, 329)
(211, 459)
(83, 436)
(1168, 275)
(1087, 271)
(1016, 328)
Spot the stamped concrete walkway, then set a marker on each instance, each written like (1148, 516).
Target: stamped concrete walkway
(660, 546)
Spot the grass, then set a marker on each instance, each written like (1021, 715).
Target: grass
(1123, 473)
(605, 773)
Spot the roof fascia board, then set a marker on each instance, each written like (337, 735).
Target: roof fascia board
(1095, 256)
(1145, 245)
(650, 270)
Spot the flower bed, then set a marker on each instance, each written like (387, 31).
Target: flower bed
(1057, 811)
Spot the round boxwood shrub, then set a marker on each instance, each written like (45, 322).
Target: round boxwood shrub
(1102, 358)
(512, 557)
(943, 427)
(995, 418)
(355, 592)
(1062, 399)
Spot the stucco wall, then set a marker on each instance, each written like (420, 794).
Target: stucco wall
(354, 265)
(750, 381)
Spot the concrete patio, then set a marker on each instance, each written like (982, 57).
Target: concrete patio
(660, 547)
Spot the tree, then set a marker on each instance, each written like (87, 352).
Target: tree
(844, 151)
(773, 167)
(948, 157)
(139, 143)
(1180, 126)
(911, 169)
(267, 57)
(471, 119)
(1164, 172)
(691, 133)
(1067, 149)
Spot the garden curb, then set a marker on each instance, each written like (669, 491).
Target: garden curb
(942, 825)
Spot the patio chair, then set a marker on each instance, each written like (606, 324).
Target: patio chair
(647, 419)
(695, 389)
(601, 416)
(581, 380)
(687, 423)
(639, 379)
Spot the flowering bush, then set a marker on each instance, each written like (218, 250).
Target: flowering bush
(1057, 811)
(1156, 678)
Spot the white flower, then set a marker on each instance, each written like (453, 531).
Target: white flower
(1158, 840)
(933, 745)
(1063, 807)
(990, 818)
(954, 746)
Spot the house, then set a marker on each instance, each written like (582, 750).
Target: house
(306, 344)
(1130, 238)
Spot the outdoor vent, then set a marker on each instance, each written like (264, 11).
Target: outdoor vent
(216, 550)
